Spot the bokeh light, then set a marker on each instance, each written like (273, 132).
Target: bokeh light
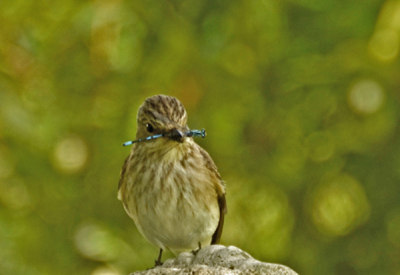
(393, 227)
(384, 44)
(70, 154)
(105, 270)
(269, 219)
(339, 205)
(96, 242)
(93, 241)
(366, 96)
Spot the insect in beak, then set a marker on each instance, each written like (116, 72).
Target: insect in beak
(175, 134)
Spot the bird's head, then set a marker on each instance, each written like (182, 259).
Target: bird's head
(164, 115)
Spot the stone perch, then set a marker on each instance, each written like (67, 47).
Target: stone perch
(217, 259)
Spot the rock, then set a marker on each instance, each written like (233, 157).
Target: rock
(217, 259)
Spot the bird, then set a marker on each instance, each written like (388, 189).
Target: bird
(169, 185)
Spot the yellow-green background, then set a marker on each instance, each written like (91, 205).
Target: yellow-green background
(300, 100)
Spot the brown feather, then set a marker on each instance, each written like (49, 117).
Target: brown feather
(220, 188)
(122, 174)
(223, 210)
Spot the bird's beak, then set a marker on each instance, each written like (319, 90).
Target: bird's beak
(177, 135)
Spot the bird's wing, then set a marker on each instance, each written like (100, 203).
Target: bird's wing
(223, 210)
(220, 188)
(122, 174)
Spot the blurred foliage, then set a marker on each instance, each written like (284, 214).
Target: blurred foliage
(300, 99)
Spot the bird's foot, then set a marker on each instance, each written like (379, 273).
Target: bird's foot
(194, 252)
(158, 263)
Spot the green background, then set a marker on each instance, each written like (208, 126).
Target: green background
(300, 100)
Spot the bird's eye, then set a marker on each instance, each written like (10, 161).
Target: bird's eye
(149, 128)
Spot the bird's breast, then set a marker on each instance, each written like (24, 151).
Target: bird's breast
(172, 199)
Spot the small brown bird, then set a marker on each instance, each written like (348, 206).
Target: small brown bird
(169, 185)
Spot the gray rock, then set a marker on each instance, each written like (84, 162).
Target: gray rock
(217, 259)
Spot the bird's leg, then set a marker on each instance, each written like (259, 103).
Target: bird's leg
(158, 261)
(194, 252)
